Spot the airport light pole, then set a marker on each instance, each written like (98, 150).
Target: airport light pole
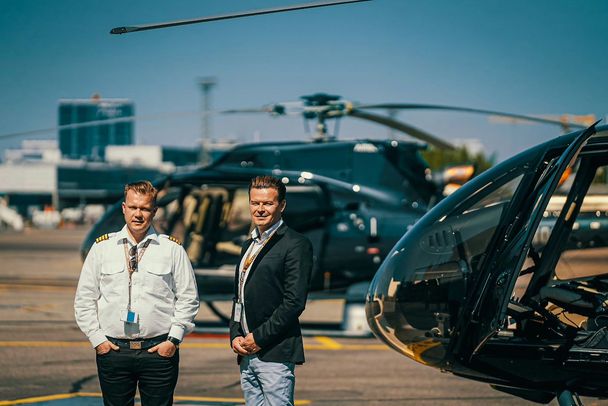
(206, 84)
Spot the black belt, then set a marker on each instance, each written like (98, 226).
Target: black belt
(138, 343)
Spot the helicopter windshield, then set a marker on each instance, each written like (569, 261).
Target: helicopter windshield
(418, 293)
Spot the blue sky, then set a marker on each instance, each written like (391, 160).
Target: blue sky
(532, 57)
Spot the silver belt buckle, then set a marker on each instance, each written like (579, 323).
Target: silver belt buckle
(135, 345)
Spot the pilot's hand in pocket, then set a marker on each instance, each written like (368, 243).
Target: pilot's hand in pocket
(106, 347)
(166, 349)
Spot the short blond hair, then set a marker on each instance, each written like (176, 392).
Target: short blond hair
(142, 187)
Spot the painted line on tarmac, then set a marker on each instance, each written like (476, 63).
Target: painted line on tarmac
(326, 344)
(48, 398)
(240, 401)
(58, 397)
(329, 343)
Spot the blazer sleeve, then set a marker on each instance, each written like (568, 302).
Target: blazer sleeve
(298, 268)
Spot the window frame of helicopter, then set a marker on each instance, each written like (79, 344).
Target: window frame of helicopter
(560, 294)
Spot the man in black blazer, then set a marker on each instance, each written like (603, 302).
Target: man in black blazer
(271, 286)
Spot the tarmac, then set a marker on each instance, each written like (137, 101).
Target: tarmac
(46, 360)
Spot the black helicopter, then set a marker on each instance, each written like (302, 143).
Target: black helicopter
(353, 199)
(487, 287)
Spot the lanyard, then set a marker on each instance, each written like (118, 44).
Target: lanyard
(250, 259)
(130, 268)
(251, 256)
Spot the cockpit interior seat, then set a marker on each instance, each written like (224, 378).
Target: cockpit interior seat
(573, 299)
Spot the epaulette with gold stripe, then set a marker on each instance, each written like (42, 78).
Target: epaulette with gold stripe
(102, 238)
(171, 238)
(175, 240)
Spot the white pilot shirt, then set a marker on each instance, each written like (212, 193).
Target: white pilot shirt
(163, 293)
(254, 248)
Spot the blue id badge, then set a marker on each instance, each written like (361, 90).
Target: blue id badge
(128, 316)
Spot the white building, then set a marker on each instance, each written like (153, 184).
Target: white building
(34, 150)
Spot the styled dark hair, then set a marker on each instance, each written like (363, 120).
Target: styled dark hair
(143, 187)
(268, 182)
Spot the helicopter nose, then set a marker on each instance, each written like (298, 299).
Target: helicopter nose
(399, 313)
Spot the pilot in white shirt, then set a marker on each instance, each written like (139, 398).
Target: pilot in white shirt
(135, 301)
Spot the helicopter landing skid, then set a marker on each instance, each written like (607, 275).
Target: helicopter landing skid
(567, 398)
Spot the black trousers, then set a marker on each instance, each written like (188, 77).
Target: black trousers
(121, 372)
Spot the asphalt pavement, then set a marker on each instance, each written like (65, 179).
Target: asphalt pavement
(46, 360)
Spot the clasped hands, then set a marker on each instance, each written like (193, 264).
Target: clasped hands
(245, 345)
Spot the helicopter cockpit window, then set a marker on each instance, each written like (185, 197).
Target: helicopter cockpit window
(573, 242)
(582, 270)
(422, 287)
(376, 169)
(543, 233)
(332, 160)
(413, 170)
(586, 247)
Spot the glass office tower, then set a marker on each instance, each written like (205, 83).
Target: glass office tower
(89, 142)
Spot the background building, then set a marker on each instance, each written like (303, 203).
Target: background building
(90, 164)
(35, 176)
(34, 151)
(89, 142)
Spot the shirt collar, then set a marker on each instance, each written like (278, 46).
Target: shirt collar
(255, 233)
(124, 233)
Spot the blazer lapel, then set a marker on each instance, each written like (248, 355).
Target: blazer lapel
(273, 240)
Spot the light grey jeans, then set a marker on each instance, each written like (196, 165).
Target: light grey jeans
(267, 383)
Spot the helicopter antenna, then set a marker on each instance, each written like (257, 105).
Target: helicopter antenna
(392, 114)
(134, 28)
(336, 127)
(306, 126)
(321, 129)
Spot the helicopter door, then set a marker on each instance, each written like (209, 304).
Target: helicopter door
(307, 212)
(490, 305)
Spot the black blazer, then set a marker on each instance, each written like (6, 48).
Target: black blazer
(275, 296)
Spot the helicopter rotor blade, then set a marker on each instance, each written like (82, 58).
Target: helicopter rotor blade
(126, 30)
(106, 121)
(246, 111)
(270, 109)
(400, 126)
(129, 119)
(412, 106)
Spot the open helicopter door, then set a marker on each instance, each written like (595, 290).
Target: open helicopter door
(489, 303)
